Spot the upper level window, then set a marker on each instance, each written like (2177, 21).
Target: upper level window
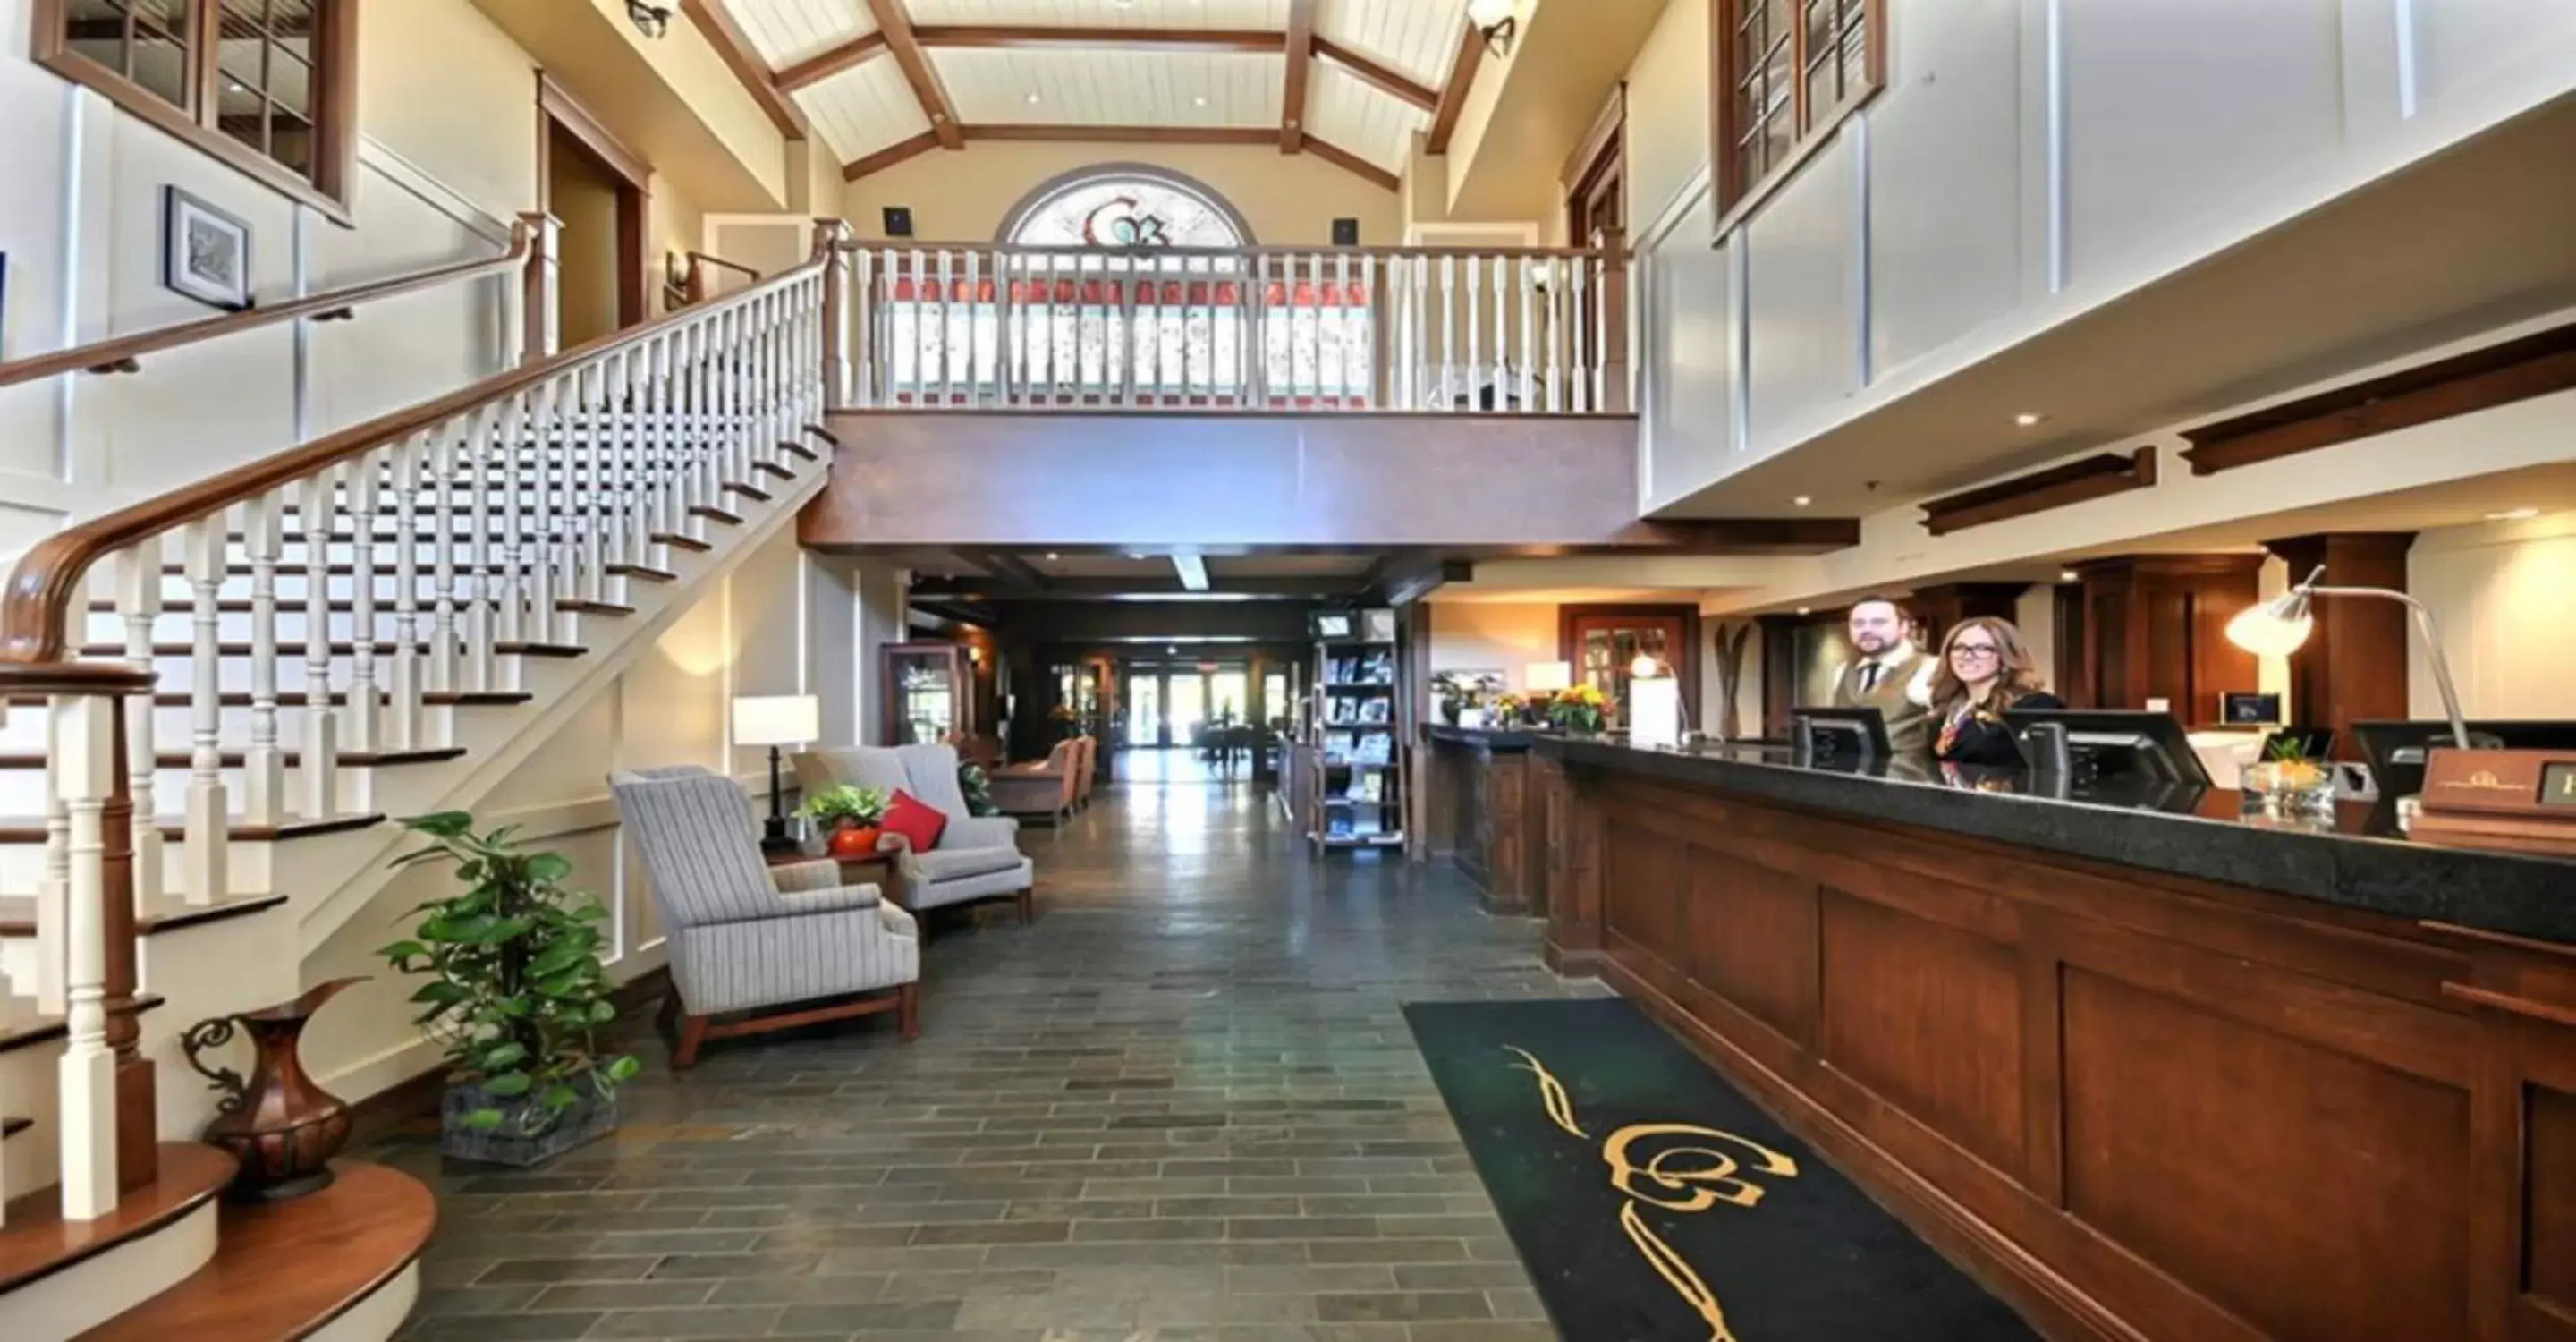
(1123, 210)
(262, 84)
(1788, 72)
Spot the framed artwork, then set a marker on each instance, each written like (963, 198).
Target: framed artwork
(205, 252)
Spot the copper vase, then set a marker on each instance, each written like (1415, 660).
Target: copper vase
(281, 1126)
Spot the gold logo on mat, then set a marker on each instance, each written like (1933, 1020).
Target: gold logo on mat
(1675, 1178)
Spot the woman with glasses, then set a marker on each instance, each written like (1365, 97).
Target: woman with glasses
(1984, 669)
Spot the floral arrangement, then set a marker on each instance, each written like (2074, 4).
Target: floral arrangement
(1579, 708)
(848, 804)
(1509, 708)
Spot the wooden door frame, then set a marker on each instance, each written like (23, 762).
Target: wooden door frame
(1569, 645)
(557, 109)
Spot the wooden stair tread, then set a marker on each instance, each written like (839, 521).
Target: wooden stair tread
(300, 699)
(285, 1269)
(31, 829)
(232, 759)
(18, 914)
(37, 1242)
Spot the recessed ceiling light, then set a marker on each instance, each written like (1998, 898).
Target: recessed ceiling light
(1199, 101)
(2026, 419)
(1802, 500)
(1053, 555)
(2515, 515)
(2069, 575)
(1804, 609)
(1172, 651)
(1032, 98)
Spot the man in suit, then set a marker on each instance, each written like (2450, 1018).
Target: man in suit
(1889, 675)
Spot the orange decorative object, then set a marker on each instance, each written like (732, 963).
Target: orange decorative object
(851, 841)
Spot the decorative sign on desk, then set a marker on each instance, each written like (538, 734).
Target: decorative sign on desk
(2523, 800)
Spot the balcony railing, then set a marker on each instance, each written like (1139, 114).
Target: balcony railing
(986, 327)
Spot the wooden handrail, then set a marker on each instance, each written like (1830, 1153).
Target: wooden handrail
(900, 245)
(124, 353)
(712, 259)
(48, 578)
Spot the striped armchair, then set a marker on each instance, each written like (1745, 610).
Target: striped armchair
(747, 938)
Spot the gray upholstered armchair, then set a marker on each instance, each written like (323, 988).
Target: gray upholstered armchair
(978, 857)
(747, 938)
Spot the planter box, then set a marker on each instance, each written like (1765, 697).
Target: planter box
(587, 1121)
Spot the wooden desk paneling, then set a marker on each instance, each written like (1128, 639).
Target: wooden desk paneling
(2137, 1105)
(1487, 807)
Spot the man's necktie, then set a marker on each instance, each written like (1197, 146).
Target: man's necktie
(1868, 677)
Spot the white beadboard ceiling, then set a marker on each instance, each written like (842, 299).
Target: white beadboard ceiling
(870, 107)
(784, 32)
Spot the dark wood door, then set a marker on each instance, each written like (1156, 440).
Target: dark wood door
(1601, 642)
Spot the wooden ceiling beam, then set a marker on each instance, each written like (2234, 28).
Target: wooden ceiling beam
(735, 48)
(1067, 134)
(918, 71)
(1453, 95)
(1351, 163)
(1376, 75)
(816, 68)
(1301, 59)
(1034, 37)
(891, 155)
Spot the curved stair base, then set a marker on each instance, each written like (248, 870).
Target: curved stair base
(60, 1277)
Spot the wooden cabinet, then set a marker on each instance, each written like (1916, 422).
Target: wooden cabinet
(929, 694)
(2155, 627)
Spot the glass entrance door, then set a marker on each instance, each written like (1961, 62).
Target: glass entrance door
(1186, 694)
(1144, 710)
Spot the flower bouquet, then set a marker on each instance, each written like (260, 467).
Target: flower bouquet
(1580, 708)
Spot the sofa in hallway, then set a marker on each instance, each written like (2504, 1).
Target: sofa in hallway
(977, 857)
(748, 938)
(1050, 787)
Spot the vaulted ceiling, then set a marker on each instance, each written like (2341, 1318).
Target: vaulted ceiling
(881, 81)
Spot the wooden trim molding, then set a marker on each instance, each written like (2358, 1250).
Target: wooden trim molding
(2093, 477)
(1453, 93)
(2516, 370)
(734, 47)
(1375, 75)
(563, 109)
(1351, 163)
(898, 152)
(918, 71)
(1301, 60)
(816, 68)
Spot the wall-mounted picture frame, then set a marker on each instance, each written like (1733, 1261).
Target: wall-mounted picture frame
(205, 251)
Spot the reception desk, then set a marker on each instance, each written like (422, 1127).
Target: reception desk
(2147, 1068)
(1485, 810)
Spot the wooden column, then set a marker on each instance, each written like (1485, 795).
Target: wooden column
(2354, 665)
(2155, 627)
(1779, 671)
(1937, 609)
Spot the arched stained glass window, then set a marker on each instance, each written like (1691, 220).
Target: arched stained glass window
(1129, 286)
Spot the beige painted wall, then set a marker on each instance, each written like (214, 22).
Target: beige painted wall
(1668, 111)
(1290, 199)
(2500, 592)
(1492, 635)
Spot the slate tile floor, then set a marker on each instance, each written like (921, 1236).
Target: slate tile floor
(1181, 1107)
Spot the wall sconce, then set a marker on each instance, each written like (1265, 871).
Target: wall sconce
(1495, 22)
(650, 19)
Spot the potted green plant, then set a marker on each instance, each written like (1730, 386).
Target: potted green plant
(517, 996)
(977, 787)
(849, 816)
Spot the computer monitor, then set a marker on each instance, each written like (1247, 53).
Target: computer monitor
(2396, 748)
(1849, 739)
(2095, 747)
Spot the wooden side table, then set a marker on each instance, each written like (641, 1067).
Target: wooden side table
(877, 869)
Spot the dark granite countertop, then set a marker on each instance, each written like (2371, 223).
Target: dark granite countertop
(2356, 861)
(1485, 738)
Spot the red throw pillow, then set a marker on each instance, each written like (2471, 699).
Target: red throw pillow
(919, 822)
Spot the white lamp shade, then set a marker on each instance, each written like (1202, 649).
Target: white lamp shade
(1645, 667)
(776, 719)
(1548, 677)
(2270, 630)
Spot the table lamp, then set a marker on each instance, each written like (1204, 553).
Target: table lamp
(1654, 704)
(775, 720)
(1547, 677)
(2277, 628)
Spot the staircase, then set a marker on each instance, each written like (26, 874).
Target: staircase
(212, 702)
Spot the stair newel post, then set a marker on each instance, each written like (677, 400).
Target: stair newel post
(540, 290)
(320, 750)
(402, 668)
(831, 237)
(358, 717)
(105, 1092)
(263, 764)
(206, 872)
(138, 601)
(441, 670)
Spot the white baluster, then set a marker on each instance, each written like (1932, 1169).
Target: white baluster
(1579, 357)
(1555, 316)
(1529, 336)
(440, 670)
(483, 581)
(53, 896)
(1601, 337)
(1138, 272)
(1448, 331)
(510, 624)
(1475, 328)
(402, 668)
(594, 510)
(549, 435)
(635, 517)
(84, 746)
(1502, 343)
(206, 875)
(138, 600)
(664, 436)
(263, 763)
(358, 715)
(320, 753)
